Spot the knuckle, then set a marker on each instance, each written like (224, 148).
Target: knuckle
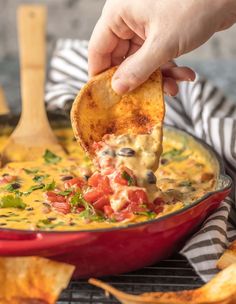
(134, 78)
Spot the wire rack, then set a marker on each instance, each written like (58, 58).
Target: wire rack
(172, 274)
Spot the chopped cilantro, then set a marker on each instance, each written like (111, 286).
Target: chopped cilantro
(172, 153)
(89, 212)
(51, 158)
(65, 193)
(78, 200)
(129, 178)
(10, 201)
(33, 188)
(39, 178)
(31, 171)
(181, 158)
(49, 187)
(149, 214)
(96, 217)
(47, 223)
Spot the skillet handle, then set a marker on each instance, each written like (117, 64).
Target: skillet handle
(43, 244)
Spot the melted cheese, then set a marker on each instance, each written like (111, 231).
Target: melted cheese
(180, 178)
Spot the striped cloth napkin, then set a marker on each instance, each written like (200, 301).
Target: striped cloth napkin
(201, 109)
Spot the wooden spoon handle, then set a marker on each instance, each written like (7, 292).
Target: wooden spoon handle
(4, 109)
(31, 33)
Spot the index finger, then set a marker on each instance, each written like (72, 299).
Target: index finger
(102, 43)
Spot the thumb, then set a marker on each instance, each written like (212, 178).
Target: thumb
(139, 66)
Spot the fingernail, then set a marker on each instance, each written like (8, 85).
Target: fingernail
(119, 86)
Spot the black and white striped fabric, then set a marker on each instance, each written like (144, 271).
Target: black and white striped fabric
(201, 109)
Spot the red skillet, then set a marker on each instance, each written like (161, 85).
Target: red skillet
(117, 250)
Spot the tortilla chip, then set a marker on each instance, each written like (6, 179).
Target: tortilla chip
(220, 290)
(228, 257)
(98, 110)
(32, 280)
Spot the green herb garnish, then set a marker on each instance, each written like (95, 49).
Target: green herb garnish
(39, 178)
(10, 201)
(31, 171)
(89, 211)
(173, 153)
(149, 214)
(49, 187)
(180, 158)
(33, 188)
(129, 178)
(51, 158)
(47, 223)
(65, 193)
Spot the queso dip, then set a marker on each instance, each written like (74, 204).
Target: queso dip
(55, 193)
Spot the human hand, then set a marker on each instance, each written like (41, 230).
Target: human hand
(142, 36)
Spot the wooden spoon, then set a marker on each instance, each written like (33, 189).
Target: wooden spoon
(33, 134)
(4, 109)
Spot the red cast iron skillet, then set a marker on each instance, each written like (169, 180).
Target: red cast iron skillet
(116, 250)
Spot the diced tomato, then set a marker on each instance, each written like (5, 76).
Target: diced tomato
(50, 193)
(102, 183)
(137, 207)
(123, 215)
(7, 179)
(138, 196)
(158, 201)
(95, 179)
(53, 197)
(62, 207)
(93, 195)
(158, 205)
(101, 202)
(75, 182)
(158, 209)
(108, 171)
(108, 210)
(79, 209)
(105, 186)
(120, 180)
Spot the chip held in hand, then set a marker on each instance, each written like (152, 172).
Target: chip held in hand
(98, 110)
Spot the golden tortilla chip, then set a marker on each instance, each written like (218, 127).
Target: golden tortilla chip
(32, 280)
(220, 290)
(228, 257)
(98, 110)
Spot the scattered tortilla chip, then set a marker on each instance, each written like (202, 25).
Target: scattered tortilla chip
(32, 280)
(98, 110)
(220, 290)
(228, 257)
